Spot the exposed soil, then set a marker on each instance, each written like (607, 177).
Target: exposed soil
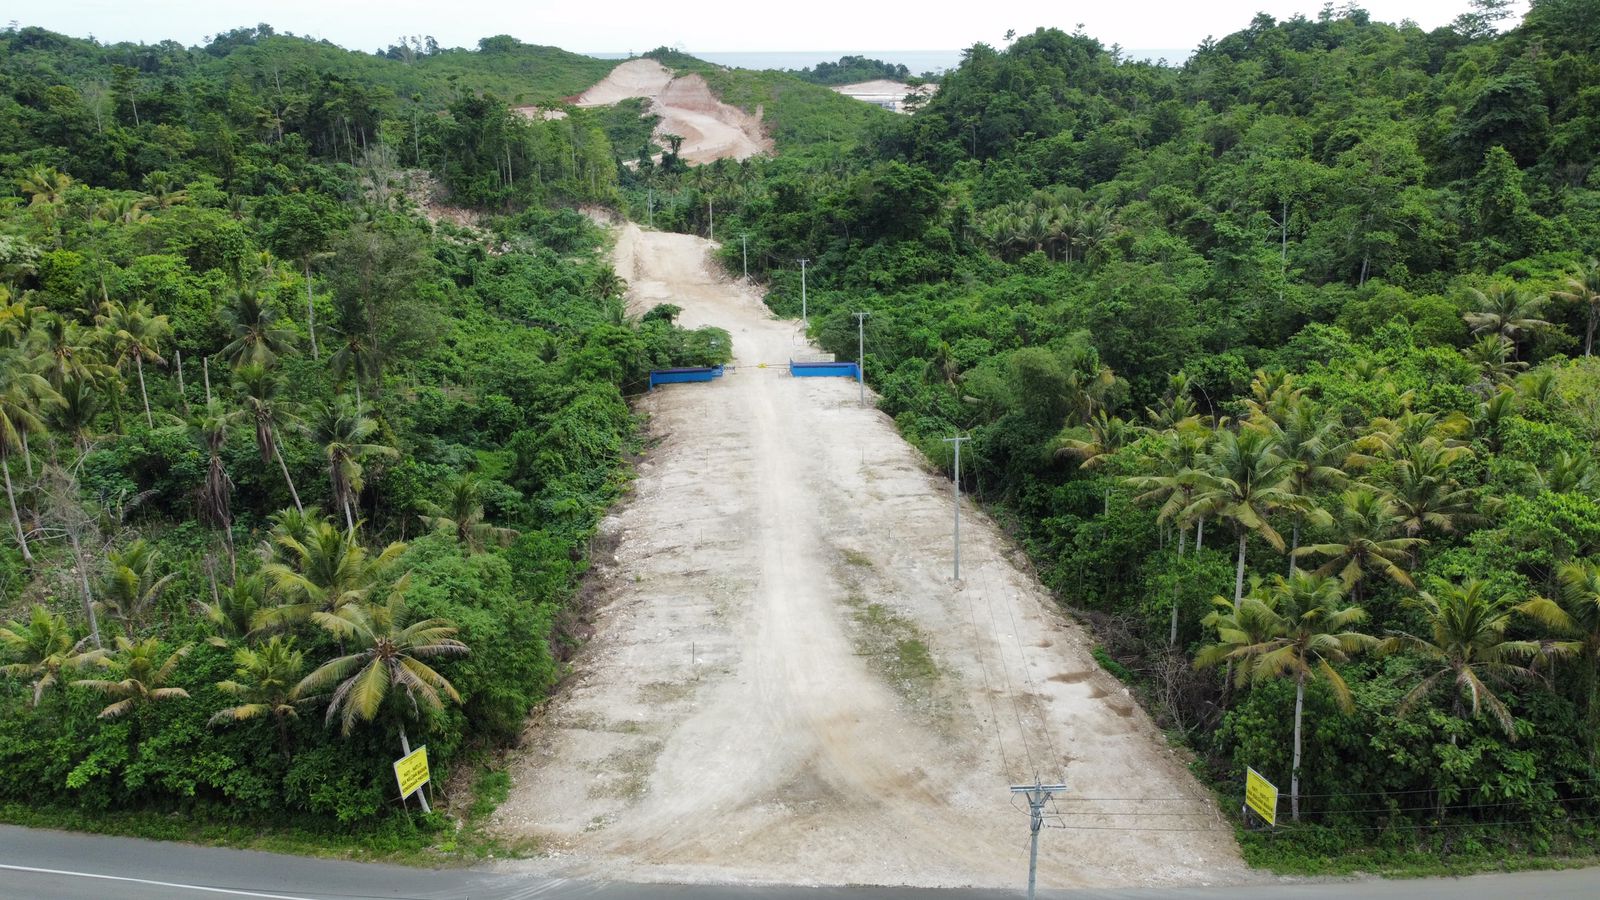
(711, 130)
(883, 92)
(785, 684)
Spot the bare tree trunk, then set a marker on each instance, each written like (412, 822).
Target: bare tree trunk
(16, 518)
(311, 313)
(1294, 544)
(1294, 772)
(205, 372)
(138, 362)
(349, 521)
(83, 583)
(27, 456)
(1172, 638)
(182, 394)
(1238, 572)
(278, 452)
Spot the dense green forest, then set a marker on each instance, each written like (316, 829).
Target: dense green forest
(296, 470)
(1279, 365)
(851, 69)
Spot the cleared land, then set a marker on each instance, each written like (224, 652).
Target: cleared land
(786, 686)
(883, 92)
(711, 130)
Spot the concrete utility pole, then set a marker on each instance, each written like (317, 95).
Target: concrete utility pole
(803, 316)
(744, 241)
(861, 354)
(1038, 795)
(955, 486)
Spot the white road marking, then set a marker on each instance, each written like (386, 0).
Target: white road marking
(166, 884)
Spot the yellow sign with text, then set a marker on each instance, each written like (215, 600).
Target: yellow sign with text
(1261, 795)
(411, 771)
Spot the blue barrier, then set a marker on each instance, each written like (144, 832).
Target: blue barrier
(824, 369)
(678, 376)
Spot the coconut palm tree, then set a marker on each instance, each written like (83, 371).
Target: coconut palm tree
(1174, 482)
(344, 429)
(22, 392)
(1491, 357)
(1094, 441)
(1244, 481)
(1467, 642)
(257, 338)
(1509, 312)
(323, 569)
(129, 589)
(263, 682)
(42, 649)
(1583, 288)
(134, 332)
(258, 391)
(1365, 540)
(1301, 627)
(1425, 493)
(1574, 614)
(139, 676)
(1308, 439)
(1571, 473)
(69, 353)
(462, 515)
(236, 611)
(210, 431)
(386, 663)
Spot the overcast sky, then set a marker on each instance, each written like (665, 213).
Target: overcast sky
(706, 25)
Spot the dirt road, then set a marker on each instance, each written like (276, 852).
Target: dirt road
(785, 684)
(711, 130)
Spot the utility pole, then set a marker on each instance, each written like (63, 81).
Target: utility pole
(650, 207)
(711, 216)
(744, 241)
(955, 490)
(1038, 795)
(861, 354)
(803, 316)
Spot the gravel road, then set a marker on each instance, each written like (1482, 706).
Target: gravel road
(785, 684)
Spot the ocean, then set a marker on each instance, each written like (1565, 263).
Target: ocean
(918, 61)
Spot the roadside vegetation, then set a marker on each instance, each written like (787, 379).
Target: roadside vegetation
(1279, 364)
(295, 474)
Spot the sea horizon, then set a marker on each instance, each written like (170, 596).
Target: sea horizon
(918, 61)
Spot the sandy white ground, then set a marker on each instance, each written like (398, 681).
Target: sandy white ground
(711, 130)
(723, 724)
(883, 92)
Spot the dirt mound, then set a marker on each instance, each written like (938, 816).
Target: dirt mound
(711, 130)
(785, 685)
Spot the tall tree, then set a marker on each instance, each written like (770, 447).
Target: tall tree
(42, 649)
(318, 568)
(1574, 614)
(1365, 540)
(461, 515)
(1304, 627)
(1583, 288)
(139, 676)
(134, 332)
(259, 393)
(1509, 312)
(22, 391)
(344, 430)
(130, 587)
(263, 682)
(257, 338)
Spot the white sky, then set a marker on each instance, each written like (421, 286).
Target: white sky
(704, 25)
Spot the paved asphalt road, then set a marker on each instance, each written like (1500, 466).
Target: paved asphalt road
(51, 865)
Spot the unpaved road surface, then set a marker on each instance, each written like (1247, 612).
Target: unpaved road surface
(711, 130)
(754, 706)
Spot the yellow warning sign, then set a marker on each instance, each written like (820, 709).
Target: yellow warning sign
(1261, 795)
(411, 771)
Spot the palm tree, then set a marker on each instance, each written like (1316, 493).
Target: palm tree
(22, 392)
(323, 569)
(258, 391)
(1491, 357)
(462, 515)
(387, 662)
(1094, 441)
(130, 588)
(1507, 311)
(210, 431)
(1583, 288)
(343, 429)
(140, 676)
(1302, 628)
(1424, 492)
(356, 356)
(264, 682)
(258, 339)
(1174, 483)
(1575, 614)
(42, 648)
(135, 333)
(69, 355)
(236, 611)
(1571, 473)
(1364, 540)
(1307, 439)
(1243, 480)
(1468, 644)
